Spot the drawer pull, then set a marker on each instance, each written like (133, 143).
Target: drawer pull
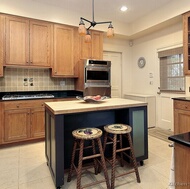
(17, 106)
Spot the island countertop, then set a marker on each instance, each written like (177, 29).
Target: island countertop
(77, 106)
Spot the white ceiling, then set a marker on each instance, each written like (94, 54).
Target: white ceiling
(109, 10)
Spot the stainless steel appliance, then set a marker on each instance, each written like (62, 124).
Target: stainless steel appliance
(95, 78)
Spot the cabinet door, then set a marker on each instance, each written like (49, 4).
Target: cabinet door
(85, 48)
(186, 42)
(94, 49)
(17, 125)
(40, 43)
(97, 45)
(181, 121)
(2, 33)
(64, 51)
(17, 41)
(182, 165)
(37, 123)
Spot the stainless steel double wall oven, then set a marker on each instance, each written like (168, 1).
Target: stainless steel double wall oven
(97, 77)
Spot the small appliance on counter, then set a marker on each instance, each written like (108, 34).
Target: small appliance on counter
(94, 78)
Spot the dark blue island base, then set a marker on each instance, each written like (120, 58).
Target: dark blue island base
(59, 140)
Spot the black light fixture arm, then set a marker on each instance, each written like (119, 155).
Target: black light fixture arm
(93, 23)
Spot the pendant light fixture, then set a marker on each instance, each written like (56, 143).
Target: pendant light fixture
(83, 31)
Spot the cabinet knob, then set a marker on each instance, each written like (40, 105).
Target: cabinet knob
(31, 62)
(17, 106)
(55, 72)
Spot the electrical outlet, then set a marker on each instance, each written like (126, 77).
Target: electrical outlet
(31, 79)
(25, 83)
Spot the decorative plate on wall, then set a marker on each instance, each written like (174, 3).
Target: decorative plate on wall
(141, 62)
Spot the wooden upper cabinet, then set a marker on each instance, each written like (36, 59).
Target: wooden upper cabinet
(17, 41)
(65, 51)
(186, 42)
(97, 45)
(40, 43)
(28, 42)
(94, 49)
(2, 36)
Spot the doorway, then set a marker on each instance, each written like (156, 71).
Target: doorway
(116, 74)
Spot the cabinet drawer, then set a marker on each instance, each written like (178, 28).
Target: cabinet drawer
(24, 104)
(183, 105)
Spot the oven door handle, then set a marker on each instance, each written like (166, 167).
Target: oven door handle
(94, 85)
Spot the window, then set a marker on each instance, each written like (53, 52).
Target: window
(171, 70)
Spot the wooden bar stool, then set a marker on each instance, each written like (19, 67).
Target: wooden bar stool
(93, 135)
(115, 134)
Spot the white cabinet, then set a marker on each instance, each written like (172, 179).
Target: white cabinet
(151, 100)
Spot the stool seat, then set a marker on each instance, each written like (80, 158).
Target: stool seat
(87, 133)
(117, 128)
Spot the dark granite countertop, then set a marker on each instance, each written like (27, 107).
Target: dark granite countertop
(183, 139)
(182, 98)
(56, 94)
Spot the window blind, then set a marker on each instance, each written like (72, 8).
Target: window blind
(171, 70)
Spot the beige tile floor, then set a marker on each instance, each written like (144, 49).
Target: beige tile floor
(24, 167)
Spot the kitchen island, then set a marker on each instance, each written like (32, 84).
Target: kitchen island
(61, 118)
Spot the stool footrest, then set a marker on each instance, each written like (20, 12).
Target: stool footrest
(126, 173)
(90, 157)
(123, 149)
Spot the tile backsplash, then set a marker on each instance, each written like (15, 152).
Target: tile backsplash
(21, 79)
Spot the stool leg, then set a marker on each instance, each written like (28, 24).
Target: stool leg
(72, 161)
(105, 141)
(121, 153)
(103, 163)
(113, 161)
(79, 169)
(133, 158)
(94, 159)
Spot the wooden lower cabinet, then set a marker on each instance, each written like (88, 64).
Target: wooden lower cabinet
(37, 122)
(182, 167)
(17, 125)
(24, 124)
(181, 116)
(22, 120)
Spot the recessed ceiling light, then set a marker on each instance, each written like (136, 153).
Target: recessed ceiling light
(123, 8)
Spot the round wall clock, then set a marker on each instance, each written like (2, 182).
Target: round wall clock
(141, 62)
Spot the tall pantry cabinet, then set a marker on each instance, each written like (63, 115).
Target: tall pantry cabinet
(182, 117)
